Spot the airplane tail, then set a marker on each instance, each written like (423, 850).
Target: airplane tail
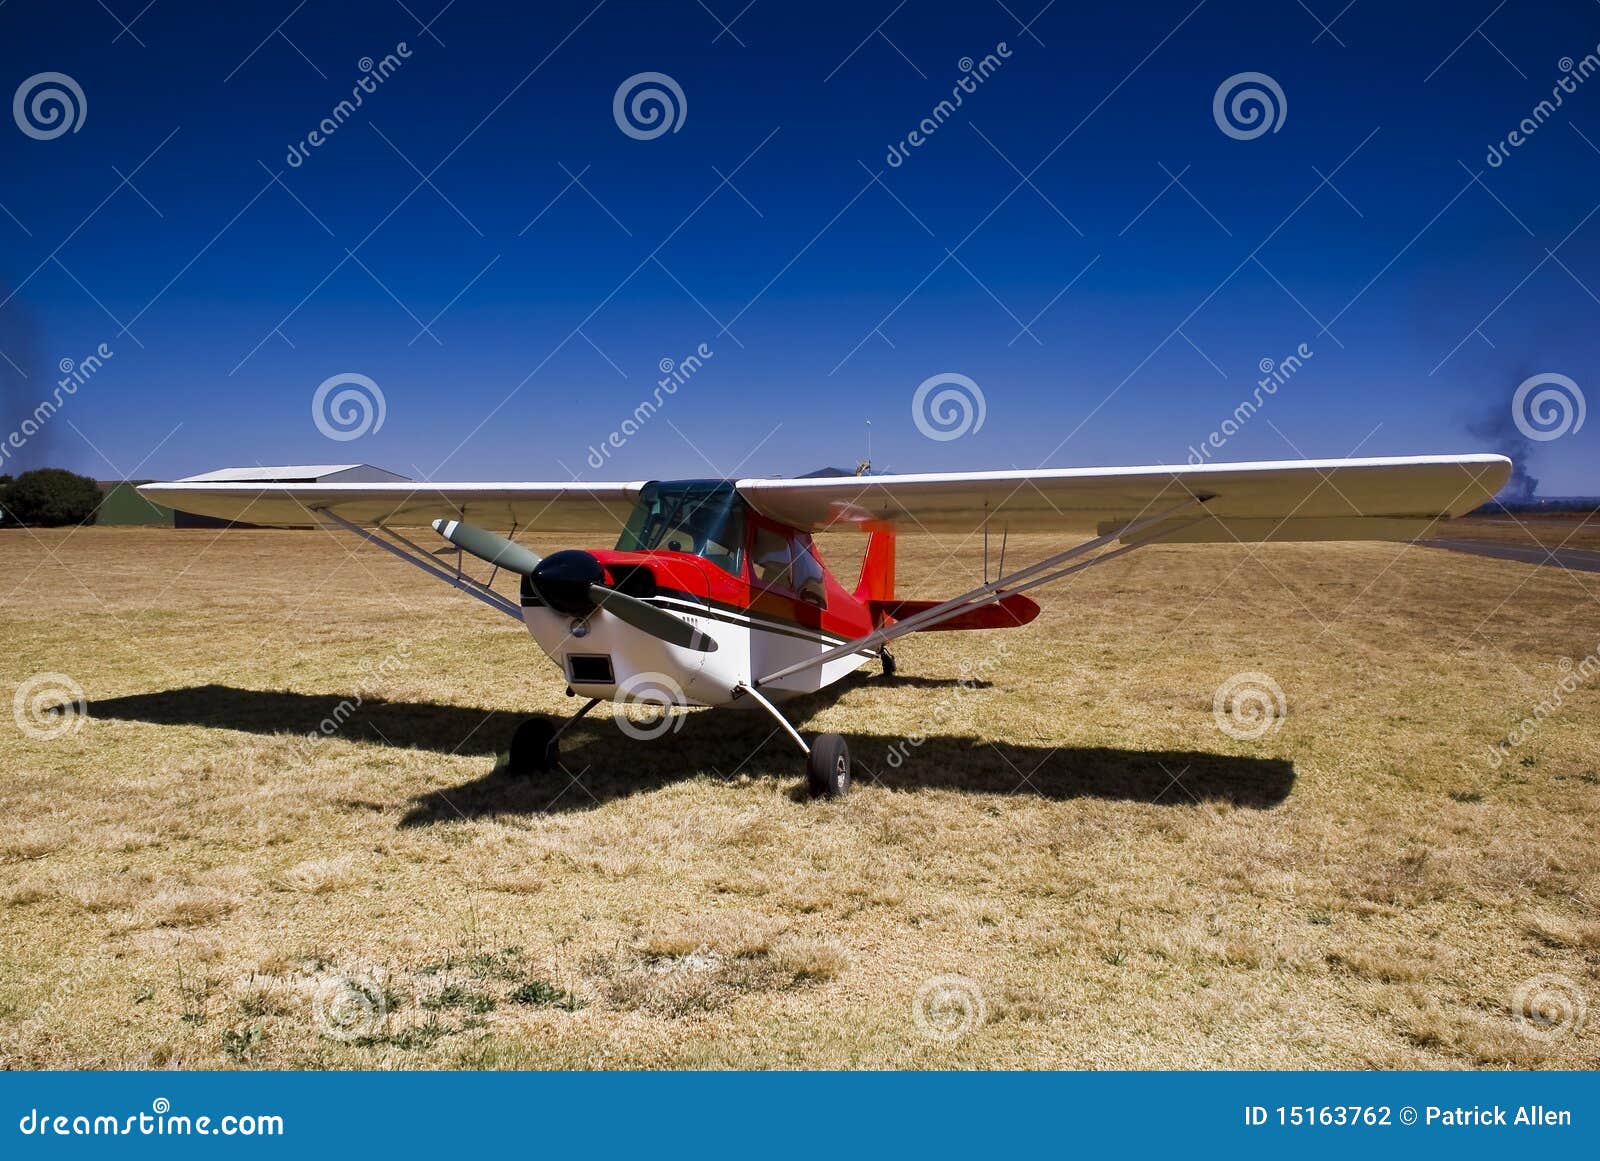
(1009, 612)
(877, 567)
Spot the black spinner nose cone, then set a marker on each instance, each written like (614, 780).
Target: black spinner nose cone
(563, 580)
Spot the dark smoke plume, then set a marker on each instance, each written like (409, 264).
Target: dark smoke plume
(1496, 426)
(1499, 433)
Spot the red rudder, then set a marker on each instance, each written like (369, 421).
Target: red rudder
(877, 566)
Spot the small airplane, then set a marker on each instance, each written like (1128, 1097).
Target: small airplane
(715, 593)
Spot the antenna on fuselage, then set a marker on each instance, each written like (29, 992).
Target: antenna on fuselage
(865, 465)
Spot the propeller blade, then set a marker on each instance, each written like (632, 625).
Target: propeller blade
(506, 554)
(488, 547)
(647, 618)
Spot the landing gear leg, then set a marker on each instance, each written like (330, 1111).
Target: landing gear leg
(827, 758)
(536, 745)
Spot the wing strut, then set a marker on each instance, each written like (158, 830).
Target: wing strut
(1020, 581)
(394, 543)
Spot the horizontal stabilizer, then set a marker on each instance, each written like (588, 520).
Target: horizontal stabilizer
(1007, 613)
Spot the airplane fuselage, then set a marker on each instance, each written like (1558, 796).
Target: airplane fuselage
(759, 628)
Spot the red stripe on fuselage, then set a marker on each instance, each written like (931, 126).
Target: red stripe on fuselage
(844, 616)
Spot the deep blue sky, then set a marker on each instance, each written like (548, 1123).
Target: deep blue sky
(1401, 261)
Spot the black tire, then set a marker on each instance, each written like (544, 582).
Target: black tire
(889, 666)
(533, 747)
(828, 767)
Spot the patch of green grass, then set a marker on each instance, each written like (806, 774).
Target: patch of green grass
(458, 996)
(239, 1043)
(418, 1037)
(540, 994)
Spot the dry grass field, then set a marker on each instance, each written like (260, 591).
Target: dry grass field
(1052, 815)
(1565, 530)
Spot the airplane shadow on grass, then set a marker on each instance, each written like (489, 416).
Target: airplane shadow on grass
(600, 763)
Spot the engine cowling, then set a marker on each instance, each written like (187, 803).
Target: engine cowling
(563, 579)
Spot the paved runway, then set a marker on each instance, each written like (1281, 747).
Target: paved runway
(1580, 559)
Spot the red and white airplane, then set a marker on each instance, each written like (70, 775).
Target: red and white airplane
(716, 594)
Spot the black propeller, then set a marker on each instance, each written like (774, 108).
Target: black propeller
(569, 582)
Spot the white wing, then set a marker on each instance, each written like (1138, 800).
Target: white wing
(1356, 499)
(534, 507)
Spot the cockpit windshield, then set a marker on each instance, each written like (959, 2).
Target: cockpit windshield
(704, 517)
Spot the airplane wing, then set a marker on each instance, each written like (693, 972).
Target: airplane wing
(533, 507)
(1354, 499)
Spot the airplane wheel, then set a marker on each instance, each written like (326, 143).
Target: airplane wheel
(828, 767)
(889, 665)
(534, 747)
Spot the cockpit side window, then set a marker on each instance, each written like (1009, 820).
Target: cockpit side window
(770, 562)
(806, 575)
(782, 558)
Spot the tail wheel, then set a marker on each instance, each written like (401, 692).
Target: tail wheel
(533, 747)
(828, 767)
